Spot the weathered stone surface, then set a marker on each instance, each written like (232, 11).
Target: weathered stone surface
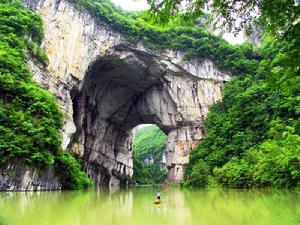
(18, 176)
(106, 86)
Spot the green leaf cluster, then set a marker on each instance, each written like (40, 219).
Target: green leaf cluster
(30, 118)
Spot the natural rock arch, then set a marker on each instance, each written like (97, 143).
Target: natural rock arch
(107, 85)
(129, 87)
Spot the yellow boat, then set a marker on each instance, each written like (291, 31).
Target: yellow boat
(157, 201)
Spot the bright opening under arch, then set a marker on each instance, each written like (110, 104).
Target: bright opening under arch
(149, 155)
(128, 88)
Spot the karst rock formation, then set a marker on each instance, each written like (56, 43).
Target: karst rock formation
(107, 85)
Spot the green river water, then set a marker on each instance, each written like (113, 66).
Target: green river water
(135, 206)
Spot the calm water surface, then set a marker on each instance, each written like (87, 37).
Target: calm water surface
(135, 206)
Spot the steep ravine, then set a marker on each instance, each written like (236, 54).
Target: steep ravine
(106, 86)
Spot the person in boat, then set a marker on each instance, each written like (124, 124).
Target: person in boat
(158, 200)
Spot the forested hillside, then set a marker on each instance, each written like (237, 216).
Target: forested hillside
(148, 148)
(252, 136)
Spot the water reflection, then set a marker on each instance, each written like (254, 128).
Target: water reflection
(135, 206)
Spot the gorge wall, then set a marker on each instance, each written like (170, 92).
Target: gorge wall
(107, 85)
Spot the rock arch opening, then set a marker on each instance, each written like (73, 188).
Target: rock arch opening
(149, 156)
(130, 87)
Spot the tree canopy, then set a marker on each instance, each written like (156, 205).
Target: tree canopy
(277, 16)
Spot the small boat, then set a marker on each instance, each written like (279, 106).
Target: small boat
(157, 201)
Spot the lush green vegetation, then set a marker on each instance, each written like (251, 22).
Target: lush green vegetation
(253, 134)
(277, 16)
(252, 137)
(150, 143)
(140, 174)
(30, 118)
(278, 19)
(195, 41)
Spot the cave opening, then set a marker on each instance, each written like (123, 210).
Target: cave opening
(120, 92)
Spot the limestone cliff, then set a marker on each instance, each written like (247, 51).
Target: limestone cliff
(107, 85)
(16, 175)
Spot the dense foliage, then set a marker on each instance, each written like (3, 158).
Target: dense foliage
(149, 141)
(140, 174)
(30, 118)
(253, 134)
(149, 144)
(277, 16)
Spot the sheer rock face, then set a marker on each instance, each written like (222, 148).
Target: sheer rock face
(106, 86)
(19, 176)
